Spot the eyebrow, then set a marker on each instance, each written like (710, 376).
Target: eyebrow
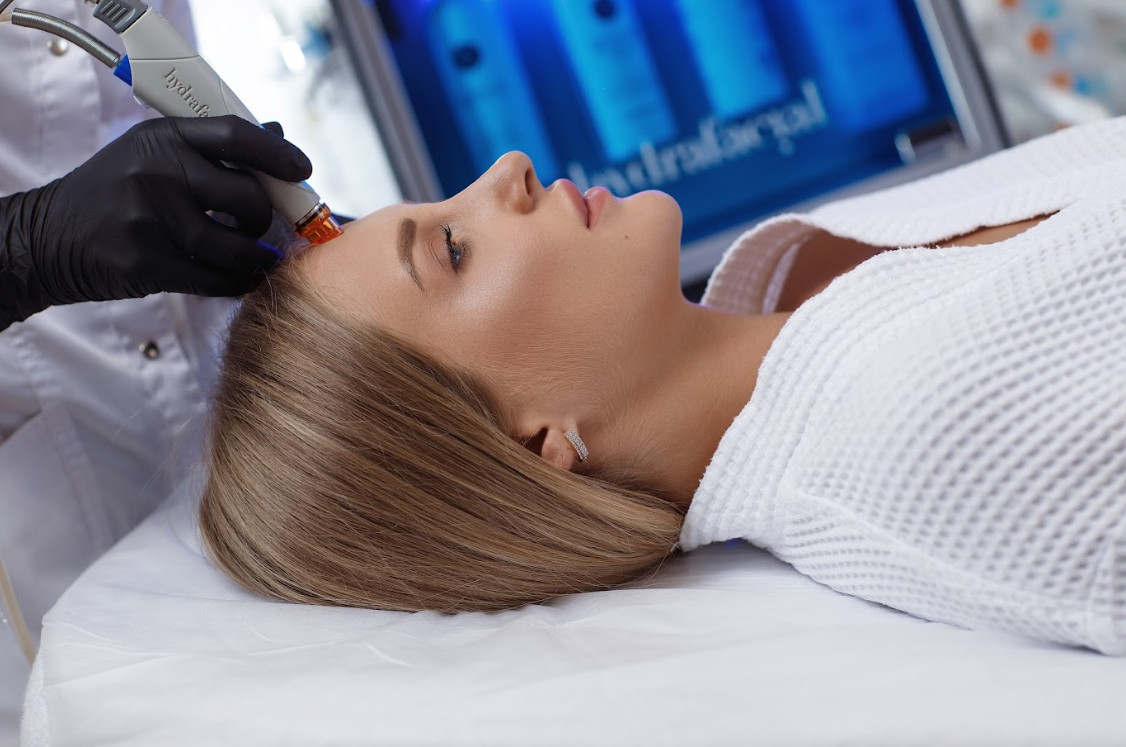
(407, 230)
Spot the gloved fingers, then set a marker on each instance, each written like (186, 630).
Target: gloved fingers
(274, 127)
(206, 242)
(230, 138)
(227, 250)
(200, 280)
(231, 191)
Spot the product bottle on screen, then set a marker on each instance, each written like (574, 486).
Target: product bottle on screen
(485, 83)
(615, 70)
(867, 67)
(735, 53)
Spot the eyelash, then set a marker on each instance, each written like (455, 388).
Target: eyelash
(456, 251)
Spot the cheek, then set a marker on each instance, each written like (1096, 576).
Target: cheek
(515, 275)
(510, 311)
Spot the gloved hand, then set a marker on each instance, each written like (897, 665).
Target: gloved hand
(132, 220)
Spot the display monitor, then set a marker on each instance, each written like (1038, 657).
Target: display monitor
(737, 108)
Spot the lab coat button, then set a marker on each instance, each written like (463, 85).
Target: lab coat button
(150, 350)
(59, 47)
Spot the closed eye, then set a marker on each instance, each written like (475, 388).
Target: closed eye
(457, 251)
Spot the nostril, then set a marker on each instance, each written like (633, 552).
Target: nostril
(514, 177)
(530, 181)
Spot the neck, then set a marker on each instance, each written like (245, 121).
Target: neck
(702, 379)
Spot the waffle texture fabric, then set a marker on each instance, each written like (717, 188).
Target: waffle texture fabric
(943, 431)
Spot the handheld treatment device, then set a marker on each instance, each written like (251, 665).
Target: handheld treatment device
(167, 74)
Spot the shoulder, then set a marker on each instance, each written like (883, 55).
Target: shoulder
(1035, 178)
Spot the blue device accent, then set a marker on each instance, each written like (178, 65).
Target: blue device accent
(486, 84)
(869, 72)
(737, 58)
(124, 71)
(619, 81)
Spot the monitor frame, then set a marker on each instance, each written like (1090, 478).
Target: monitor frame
(946, 26)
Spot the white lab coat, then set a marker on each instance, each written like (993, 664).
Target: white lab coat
(101, 405)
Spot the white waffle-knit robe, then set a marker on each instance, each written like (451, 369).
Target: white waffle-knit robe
(943, 431)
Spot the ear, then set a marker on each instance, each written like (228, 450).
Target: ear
(553, 447)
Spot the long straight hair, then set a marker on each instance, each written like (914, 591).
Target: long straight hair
(348, 468)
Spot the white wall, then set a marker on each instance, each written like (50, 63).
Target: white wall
(271, 55)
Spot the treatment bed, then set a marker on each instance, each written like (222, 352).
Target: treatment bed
(726, 645)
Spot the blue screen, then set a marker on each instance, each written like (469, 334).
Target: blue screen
(736, 108)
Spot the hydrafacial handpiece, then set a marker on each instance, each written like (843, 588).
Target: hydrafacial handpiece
(167, 74)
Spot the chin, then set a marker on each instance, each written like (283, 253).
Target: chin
(661, 210)
(658, 222)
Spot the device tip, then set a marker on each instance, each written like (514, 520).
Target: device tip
(319, 226)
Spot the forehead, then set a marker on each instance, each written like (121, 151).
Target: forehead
(358, 272)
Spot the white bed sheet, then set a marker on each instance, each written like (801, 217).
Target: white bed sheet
(727, 645)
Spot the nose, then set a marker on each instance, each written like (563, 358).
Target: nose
(512, 180)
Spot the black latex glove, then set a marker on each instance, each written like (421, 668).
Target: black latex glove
(132, 220)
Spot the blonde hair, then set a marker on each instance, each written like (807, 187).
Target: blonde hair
(347, 468)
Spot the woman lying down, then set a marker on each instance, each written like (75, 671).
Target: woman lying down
(504, 398)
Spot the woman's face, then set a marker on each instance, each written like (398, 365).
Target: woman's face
(536, 290)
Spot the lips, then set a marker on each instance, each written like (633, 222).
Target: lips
(589, 205)
(573, 195)
(596, 198)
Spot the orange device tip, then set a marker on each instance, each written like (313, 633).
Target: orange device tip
(319, 226)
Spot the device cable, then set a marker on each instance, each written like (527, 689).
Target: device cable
(65, 30)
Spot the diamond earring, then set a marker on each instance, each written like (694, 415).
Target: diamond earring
(580, 447)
